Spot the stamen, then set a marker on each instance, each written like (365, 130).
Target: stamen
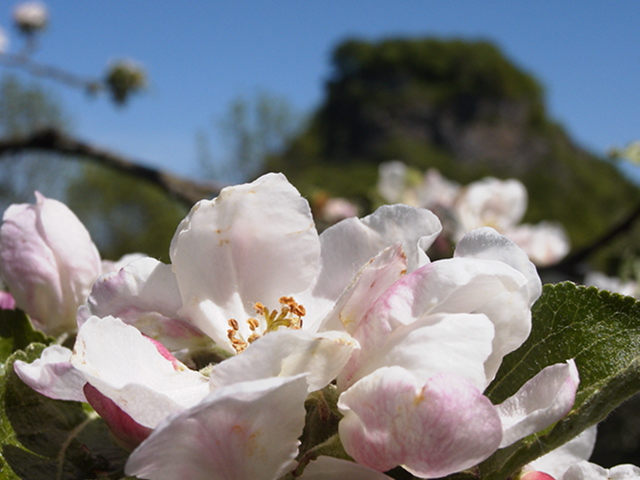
(289, 316)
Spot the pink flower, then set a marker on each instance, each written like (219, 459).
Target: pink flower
(47, 261)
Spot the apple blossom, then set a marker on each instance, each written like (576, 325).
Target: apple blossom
(440, 333)
(412, 343)
(48, 262)
(30, 16)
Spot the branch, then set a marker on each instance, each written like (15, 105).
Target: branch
(24, 63)
(52, 140)
(571, 263)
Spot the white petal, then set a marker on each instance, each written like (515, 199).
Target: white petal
(331, 468)
(288, 352)
(432, 428)
(375, 277)
(624, 472)
(456, 344)
(253, 243)
(145, 294)
(126, 367)
(459, 285)
(557, 461)
(246, 431)
(52, 375)
(486, 243)
(541, 401)
(586, 471)
(348, 245)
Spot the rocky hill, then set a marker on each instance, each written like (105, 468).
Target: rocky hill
(459, 106)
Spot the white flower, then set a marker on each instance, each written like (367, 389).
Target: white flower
(30, 16)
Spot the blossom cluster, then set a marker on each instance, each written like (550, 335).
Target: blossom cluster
(407, 345)
(500, 204)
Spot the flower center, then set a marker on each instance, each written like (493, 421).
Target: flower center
(289, 316)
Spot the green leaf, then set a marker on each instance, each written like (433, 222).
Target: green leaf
(598, 329)
(16, 332)
(51, 439)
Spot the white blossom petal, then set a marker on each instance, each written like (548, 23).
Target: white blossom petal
(144, 293)
(253, 243)
(541, 401)
(331, 468)
(458, 285)
(286, 353)
(557, 461)
(373, 279)
(486, 243)
(245, 431)
(348, 245)
(105, 351)
(52, 375)
(456, 344)
(432, 428)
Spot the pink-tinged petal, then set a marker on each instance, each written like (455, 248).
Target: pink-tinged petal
(348, 245)
(375, 277)
(458, 285)
(533, 475)
(432, 428)
(331, 468)
(557, 461)
(144, 293)
(286, 353)
(109, 266)
(246, 431)
(105, 351)
(48, 261)
(7, 302)
(456, 344)
(52, 375)
(541, 401)
(253, 243)
(126, 429)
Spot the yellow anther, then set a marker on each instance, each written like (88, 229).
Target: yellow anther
(253, 324)
(233, 323)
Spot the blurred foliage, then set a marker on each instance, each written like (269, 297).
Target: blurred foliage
(463, 108)
(25, 108)
(251, 129)
(122, 214)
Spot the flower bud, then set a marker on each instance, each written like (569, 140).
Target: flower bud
(47, 261)
(123, 78)
(30, 17)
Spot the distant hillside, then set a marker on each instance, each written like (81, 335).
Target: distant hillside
(459, 106)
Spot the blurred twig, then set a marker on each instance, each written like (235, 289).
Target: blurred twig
(571, 264)
(51, 140)
(25, 63)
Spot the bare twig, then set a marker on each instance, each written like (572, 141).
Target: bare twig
(52, 140)
(25, 63)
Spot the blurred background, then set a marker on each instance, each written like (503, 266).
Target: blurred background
(190, 96)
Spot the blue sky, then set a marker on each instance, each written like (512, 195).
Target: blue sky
(201, 54)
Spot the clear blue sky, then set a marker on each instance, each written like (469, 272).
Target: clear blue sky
(200, 55)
